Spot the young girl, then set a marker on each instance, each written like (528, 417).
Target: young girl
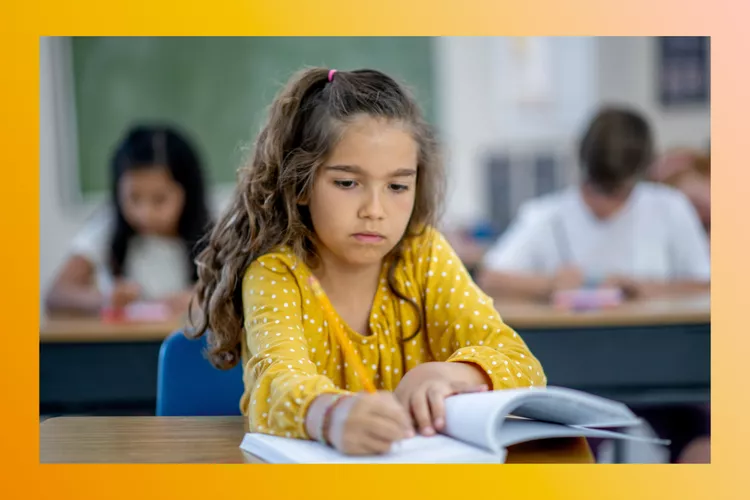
(344, 186)
(144, 248)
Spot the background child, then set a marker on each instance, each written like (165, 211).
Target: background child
(344, 186)
(144, 247)
(612, 229)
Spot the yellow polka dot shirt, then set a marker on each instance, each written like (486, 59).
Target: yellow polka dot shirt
(290, 356)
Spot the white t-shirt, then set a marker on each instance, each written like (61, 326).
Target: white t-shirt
(656, 235)
(159, 265)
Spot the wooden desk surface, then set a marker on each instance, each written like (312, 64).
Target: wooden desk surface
(82, 329)
(208, 440)
(686, 310)
(694, 309)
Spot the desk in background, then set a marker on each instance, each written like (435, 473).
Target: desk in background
(73, 330)
(691, 310)
(648, 352)
(208, 440)
(639, 353)
(87, 366)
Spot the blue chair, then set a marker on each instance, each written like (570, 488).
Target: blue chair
(188, 385)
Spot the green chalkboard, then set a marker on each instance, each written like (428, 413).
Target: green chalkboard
(215, 88)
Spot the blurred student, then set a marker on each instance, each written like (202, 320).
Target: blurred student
(144, 247)
(613, 229)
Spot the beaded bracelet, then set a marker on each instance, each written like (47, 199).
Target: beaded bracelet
(337, 398)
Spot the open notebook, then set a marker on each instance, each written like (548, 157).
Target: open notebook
(479, 428)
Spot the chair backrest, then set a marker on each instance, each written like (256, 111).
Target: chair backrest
(188, 385)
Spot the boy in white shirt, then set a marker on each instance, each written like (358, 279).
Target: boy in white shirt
(611, 230)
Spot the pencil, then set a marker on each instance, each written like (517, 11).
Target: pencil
(349, 353)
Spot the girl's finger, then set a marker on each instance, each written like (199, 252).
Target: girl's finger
(436, 398)
(421, 413)
(385, 430)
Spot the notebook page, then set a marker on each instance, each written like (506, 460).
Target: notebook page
(436, 449)
(571, 407)
(471, 417)
(514, 431)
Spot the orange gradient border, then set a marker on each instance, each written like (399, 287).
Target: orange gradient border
(21, 27)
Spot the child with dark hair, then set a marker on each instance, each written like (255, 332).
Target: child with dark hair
(145, 246)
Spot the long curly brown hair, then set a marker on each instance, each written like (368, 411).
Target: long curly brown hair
(267, 209)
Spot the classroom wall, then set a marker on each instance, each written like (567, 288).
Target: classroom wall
(478, 114)
(482, 114)
(627, 72)
(60, 217)
(62, 211)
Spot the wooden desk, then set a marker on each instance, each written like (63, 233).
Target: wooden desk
(208, 440)
(71, 329)
(656, 351)
(651, 352)
(87, 365)
(686, 310)
(673, 311)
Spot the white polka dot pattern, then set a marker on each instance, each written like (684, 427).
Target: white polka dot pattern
(290, 358)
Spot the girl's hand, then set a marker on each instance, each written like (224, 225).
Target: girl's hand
(423, 391)
(179, 302)
(124, 293)
(631, 289)
(368, 424)
(567, 278)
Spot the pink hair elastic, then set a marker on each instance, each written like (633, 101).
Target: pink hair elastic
(330, 75)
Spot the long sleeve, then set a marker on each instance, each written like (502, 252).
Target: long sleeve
(280, 377)
(463, 325)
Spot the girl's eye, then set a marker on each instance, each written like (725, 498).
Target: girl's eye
(345, 184)
(399, 188)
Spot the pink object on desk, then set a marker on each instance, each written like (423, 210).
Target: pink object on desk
(138, 312)
(587, 299)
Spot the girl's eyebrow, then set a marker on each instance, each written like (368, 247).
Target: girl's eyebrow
(354, 169)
